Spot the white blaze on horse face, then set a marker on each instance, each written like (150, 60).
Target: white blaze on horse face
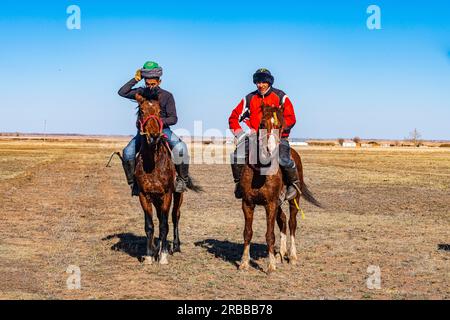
(272, 143)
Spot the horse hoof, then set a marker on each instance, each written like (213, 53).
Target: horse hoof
(293, 260)
(163, 258)
(244, 265)
(176, 249)
(149, 260)
(271, 268)
(279, 258)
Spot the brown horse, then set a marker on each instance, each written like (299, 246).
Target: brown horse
(265, 188)
(155, 175)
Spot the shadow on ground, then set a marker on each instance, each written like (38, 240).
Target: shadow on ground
(232, 252)
(131, 244)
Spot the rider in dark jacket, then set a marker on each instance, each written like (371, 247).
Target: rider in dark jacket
(151, 73)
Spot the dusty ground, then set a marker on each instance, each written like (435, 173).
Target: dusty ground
(60, 206)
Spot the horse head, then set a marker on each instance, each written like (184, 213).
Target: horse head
(271, 127)
(150, 124)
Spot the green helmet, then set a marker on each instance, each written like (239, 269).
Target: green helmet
(149, 65)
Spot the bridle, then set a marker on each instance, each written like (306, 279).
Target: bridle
(142, 123)
(161, 134)
(276, 122)
(264, 139)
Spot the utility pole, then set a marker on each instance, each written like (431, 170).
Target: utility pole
(45, 129)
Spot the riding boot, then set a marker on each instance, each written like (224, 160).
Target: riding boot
(182, 177)
(292, 181)
(236, 169)
(128, 167)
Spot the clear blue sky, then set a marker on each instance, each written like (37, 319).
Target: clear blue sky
(343, 79)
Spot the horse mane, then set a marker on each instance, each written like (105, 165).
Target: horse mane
(277, 110)
(149, 94)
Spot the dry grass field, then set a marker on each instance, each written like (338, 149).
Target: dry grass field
(60, 206)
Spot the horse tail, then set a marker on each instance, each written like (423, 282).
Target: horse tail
(191, 185)
(305, 192)
(308, 195)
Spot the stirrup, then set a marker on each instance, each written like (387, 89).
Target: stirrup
(291, 193)
(180, 185)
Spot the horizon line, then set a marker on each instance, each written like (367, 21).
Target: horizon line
(40, 134)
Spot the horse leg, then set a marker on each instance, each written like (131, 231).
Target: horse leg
(248, 233)
(149, 228)
(163, 216)
(281, 221)
(177, 201)
(271, 213)
(292, 229)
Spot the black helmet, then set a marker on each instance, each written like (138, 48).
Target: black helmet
(263, 75)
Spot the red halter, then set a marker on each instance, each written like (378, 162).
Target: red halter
(152, 116)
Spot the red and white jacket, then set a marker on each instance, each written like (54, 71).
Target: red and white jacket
(249, 111)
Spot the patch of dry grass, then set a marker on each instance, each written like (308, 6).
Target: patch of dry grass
(60, 206)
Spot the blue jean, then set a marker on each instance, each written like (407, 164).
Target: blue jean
(178, 147)
(285, 154)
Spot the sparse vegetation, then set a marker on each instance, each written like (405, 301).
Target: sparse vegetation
(321, 143)
(414, 137)
(60, 206)
(357, 140)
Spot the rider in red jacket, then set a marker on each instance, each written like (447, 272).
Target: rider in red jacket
(249, 111)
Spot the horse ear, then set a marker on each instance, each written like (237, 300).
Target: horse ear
(140, 99)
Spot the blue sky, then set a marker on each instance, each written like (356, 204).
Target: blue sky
(344, 79)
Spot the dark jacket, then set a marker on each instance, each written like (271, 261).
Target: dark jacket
(166, 101)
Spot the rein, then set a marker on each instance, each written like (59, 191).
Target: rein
(161, 134)
(162, 138)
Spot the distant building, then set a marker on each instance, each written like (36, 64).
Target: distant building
(349, 144)
(299, 143)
